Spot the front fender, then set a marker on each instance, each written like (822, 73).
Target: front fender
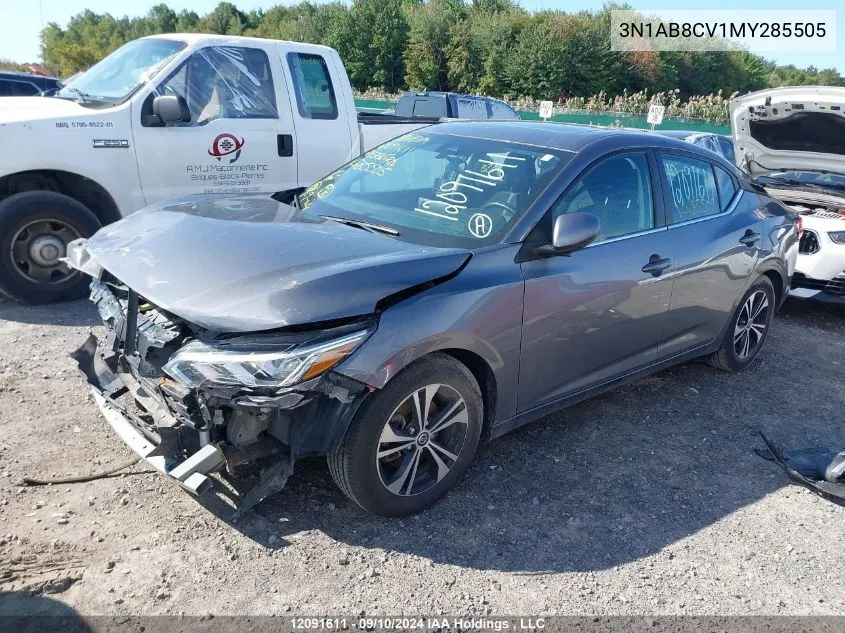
(479, 311)
(70, 139)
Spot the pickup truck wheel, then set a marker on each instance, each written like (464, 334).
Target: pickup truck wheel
(748, 329)
(35, 228)
(411, 442)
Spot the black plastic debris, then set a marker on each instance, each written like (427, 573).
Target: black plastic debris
(820, 470)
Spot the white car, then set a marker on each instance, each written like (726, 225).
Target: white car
(792, 140)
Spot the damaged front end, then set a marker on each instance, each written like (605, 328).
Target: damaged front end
(190, 402)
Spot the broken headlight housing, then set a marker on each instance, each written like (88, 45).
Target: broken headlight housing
(257, 363)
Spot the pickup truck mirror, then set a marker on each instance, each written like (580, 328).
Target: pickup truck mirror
(171, 109)
(573, 231)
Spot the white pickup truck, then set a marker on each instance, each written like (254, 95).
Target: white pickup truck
(167, 116)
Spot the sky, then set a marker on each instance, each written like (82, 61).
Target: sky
(21, 22)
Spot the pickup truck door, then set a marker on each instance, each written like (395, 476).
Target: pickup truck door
(240, 136)
(324, 116)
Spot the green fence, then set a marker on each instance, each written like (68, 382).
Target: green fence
(586, 118)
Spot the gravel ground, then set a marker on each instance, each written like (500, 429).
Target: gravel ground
(648, 499)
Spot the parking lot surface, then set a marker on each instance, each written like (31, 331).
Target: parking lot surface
(648, 499)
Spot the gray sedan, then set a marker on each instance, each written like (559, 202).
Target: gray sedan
(449, 286)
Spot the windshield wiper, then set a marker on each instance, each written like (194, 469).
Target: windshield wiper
(360, 224)
(774, 181)
(83, 96)
(794, 182)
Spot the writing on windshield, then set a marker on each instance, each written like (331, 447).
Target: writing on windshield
(439, 189)
(453, 196)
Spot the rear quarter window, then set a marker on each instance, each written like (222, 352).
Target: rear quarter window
(502, 112)
(726, 186)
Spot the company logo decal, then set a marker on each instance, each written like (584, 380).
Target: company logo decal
(226, 145)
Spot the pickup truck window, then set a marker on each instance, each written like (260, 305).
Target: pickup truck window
(411, 105)
(438, 189)
(118, 76)
(312, 84)
(224, 82)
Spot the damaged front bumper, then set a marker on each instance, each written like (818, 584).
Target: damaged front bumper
(191, 473)
(188, 434)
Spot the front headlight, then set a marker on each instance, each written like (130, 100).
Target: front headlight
(838, 237)
(251, 364)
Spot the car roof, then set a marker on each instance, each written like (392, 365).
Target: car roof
(561, 136)
(678, 133)
(683, 134)
(214, 39)
(16, 74)
(443, 93)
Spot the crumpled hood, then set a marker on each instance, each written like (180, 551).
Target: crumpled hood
(18, 109)
(245, 264)
(800, 128)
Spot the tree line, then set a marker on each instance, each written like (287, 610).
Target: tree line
(493, 47)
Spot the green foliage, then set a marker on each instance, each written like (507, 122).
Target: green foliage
(8, 64)
(492, 47)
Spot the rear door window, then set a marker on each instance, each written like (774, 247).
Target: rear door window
(469, 108)
(315, 96)
(691, 188)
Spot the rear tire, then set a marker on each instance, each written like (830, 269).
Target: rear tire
(35, 228)
(748, 329)
(393, 462)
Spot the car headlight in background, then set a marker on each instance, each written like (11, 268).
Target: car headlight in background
(199, 364)
(837, 237)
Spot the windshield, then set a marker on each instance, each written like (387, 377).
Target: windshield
(437, 189)
(817, 179)
(117, 76)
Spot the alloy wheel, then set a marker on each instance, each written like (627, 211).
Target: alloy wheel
(751, 325)
(38, 247)
(422, 440)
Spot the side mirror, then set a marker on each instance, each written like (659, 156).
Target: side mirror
(573, 231)
(171, 109)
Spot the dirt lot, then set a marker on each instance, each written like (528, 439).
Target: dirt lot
(645, 500)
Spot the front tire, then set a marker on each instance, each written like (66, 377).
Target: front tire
(748, 329)
(35, 228)
(411, 442)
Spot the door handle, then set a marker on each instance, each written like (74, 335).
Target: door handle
(285, 144)
(656, 265)
(750, 238)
